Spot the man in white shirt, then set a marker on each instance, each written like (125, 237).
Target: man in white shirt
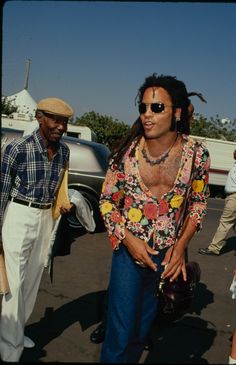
(228, 217)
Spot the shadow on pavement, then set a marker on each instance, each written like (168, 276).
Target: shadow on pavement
(230, 245)
(87, 310)
(64, 238)
(183, 341)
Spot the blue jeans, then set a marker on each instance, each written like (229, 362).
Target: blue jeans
(132, 307)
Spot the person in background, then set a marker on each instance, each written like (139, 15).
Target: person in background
(31, 169)
(98, 334)
(232, 356)
(228, 217)
(141, 201)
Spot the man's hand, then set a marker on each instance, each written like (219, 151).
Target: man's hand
(68, 208)
(140, 250)
(175, 265)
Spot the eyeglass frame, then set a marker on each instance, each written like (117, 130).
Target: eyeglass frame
(56, 118)
(157, 111)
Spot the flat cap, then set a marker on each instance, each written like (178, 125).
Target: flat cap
(55, 106)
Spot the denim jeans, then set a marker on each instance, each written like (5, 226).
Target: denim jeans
(132, 306)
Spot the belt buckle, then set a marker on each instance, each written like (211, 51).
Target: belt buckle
(46, 206)
(40, 206)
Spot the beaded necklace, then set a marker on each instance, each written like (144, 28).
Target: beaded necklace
(160, 159)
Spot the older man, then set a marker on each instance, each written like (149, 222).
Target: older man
(31, 169)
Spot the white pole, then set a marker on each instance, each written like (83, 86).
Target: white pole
(27, 74)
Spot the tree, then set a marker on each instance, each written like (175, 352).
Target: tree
(7, 107)
(110, 131)
(213, 128)
(107, 130)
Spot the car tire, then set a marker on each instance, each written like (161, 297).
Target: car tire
(94, 206)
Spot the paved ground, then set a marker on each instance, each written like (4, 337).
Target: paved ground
(68, 310)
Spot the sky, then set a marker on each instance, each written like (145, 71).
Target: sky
(96, 54)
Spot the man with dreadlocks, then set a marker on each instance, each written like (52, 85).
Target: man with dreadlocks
(141, 201)
(191, 107)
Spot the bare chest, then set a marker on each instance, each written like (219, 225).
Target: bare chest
(160, 179)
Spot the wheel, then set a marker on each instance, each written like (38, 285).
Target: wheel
(94, 207)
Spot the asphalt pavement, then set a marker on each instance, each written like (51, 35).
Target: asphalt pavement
(69, 309)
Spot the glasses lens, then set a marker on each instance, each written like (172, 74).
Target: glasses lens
(56, 118)
(142, 108)
(157, 107)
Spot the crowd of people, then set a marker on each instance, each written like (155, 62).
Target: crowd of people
(141, 202)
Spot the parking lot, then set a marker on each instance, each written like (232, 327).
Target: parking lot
(69, 309)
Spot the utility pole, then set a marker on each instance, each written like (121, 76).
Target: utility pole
(27, 74)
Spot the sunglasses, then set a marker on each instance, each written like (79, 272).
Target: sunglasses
(155, 107)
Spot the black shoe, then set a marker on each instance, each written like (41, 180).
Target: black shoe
(98, 335)
(206, 251)
(148, 344)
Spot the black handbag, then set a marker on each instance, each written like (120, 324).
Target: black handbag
(175, 298)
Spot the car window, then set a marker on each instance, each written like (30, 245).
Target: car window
(103, 154)
(90, 156)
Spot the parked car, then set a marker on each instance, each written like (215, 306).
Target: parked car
(88, 165)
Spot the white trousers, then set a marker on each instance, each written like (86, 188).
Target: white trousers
(25, 233)
(227, 221)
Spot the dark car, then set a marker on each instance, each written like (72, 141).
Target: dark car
(88, 165)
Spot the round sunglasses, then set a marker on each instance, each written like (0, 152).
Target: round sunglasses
(155, 107)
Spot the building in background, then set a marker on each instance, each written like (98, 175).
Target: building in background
(24, 117)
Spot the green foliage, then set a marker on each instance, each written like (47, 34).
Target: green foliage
(7, 107)
(213, 128)
(110, 131)
(107, 130)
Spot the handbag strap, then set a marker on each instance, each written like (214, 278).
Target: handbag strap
(183, 212)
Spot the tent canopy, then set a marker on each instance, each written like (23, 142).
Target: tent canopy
(24, 102)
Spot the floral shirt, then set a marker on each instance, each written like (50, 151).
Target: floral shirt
(126, 202)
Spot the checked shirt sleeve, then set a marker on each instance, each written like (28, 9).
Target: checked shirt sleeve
(8, 172)
(111, 202)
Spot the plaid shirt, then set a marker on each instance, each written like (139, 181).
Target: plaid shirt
(27, 173)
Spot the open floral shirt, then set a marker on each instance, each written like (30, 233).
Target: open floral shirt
(126, 202)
